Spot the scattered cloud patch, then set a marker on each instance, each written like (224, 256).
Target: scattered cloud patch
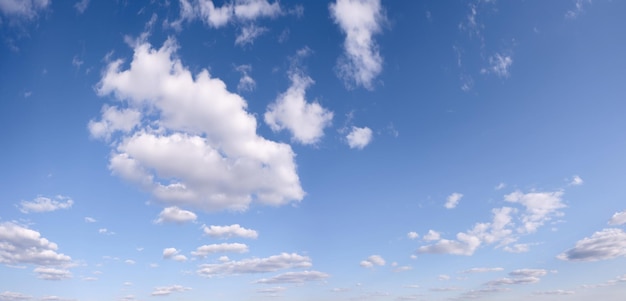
(499, 65)
(205, 250)
(175, 215)
(90, 219)
(579, 8)
(246, 83)
(374, 260)
(25, 9)
(603, 245)
(359, 20)
(453, 200)
(576, 181)
(359, 137)
(294, 277)
(172, 253)
(432, 235)
(168, 290)
(554, 293)
(540, 207)
(412, 235)
(81, 6)
(229, 231)
(619, 218)
(44, 204)
(482, 270)
(248, 34)
(500, 186)
(20, 245)
(50, 273)
(13, 296)
(255, 265)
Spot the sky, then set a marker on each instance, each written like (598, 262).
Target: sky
(312, 150)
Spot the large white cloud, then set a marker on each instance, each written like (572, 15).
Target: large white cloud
(229, 231)
(20, 245)
(255, 265)
(196, 145)
(305, 121)
(606, 244)
(113, 120)
(359, 20)
(44, 204)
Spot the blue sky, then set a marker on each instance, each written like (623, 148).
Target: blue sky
(313, 150)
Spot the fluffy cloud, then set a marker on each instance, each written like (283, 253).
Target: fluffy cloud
(576, 180)
(306, 121)
(172, 253)
(13, 296)
(27, 9)
(114, 120)
(372, 261)
(226, 164)
(48, 273)
(464, 245)
(482, 270)
(175, 215)
(22, 245)
(432, 235)
(606, 244)
(205, 250)
(44, 204)
(255, 265)
(359, 137)
(235, 11)
(167, 290)
(359, 20)
(453, 200)
(295, 277)
(540, 207)
(619, 218)
(229, 231)
(412, 235)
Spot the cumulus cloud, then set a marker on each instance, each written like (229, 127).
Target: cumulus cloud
(205, 250)
(291, 111)
(412, 235)
(44, 204)
(576, 180)
(241, 11)
(432, 235)
(19, 245)
(619, 218)
(168, 290)
(13, 296)
(453, 200)
(114, 120)
(172, 253)
(464, 245)
(359, 137)
(255, 265)
(175, 215)
(226, 164)
(606, 244)
(372, 261)
(27, 9)
(359, 20)
(49, 273)
(294, 277)
(540, 207)
(229, 231)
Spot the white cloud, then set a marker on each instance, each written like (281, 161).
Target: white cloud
(464, 245)
(114, 120)
(246, 83)
(513, 281)
(49, 273)
(248, 34)
(105, 231)
(528, 273)
(295, 277)
(482, 270)
(226, 166)
(176, 215)
(81, 6)
(13, 296)
(453, 200)
(412, 235)
(235, 11)
(554, 293)
(443, 277)
(90, 219)
(359, 137)
(129, 262)
(579, 8)
(229, 231)
(205, 250)
(517, 248)
(540, 207)
(606, 244)
(499, 65)
(372, 261)
(576, 180)
(20, 245)
(359, 20)
(256, 265)
(172, 253)
(168, 290)
(403, 268)
(291, 111)
(44, 204)
(27, 9)
(500, 186)
(619, 218)
(271, 290)
(432, 235)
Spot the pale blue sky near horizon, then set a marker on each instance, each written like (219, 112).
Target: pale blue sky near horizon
(312, 150)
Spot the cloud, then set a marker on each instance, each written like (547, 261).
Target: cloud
(528, 273)
(226, 164)
(576, 180)
(44, 204)
(554, 293)
(175, 215)
(294, 277)
(606, 244)
(432, 235)
(13, 296)
(114, 120)
(372, 261)
(235, 11)
(172, 253)
(540, 207)
(453, 200)
(499, 65)
(230, 231)
(249, 34)
(168, 290)
(513, 281)
(20, 245)
(26, 9)
(517, 248)
(359, 137)
(205, 250)
(359, 20)
(255, 265)
(443, 277)
(291, 111)
(412, 235)
(579, 8)
(129, 262)
(90, 219)
(445, 289)
(619, 218)
(464, 245)
(81, 6)
(481, 270)
(246, 83)
(48, 273)
(500, 186)
(105, 231)
(271, 290)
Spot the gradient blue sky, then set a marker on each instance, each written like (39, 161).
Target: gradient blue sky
(312, 150)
